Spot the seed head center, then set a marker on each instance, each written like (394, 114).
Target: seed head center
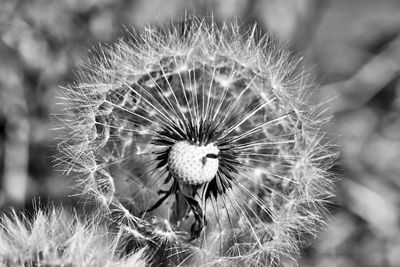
(192, 164)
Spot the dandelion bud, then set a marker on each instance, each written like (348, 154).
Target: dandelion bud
(200, 143)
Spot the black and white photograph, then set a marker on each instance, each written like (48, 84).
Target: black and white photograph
(200, 133)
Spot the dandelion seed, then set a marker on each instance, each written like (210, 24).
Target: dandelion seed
(200, 140)
(56, 238)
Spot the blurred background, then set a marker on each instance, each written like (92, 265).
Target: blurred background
(353, 47)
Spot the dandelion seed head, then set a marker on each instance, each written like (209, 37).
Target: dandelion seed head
(55, 237)
(201, 135)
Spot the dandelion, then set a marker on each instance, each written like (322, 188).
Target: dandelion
(55, 237)
(199, 143)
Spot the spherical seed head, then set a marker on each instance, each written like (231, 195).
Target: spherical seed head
(137, 101)
(192, 164)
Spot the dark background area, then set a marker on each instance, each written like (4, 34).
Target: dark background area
(353, 47)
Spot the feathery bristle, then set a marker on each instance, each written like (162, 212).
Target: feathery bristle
(57, 238)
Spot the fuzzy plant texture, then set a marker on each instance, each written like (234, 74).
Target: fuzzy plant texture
(198, 141)
(55, 237)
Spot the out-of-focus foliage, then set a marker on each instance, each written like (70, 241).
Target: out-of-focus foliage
(352, 45)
